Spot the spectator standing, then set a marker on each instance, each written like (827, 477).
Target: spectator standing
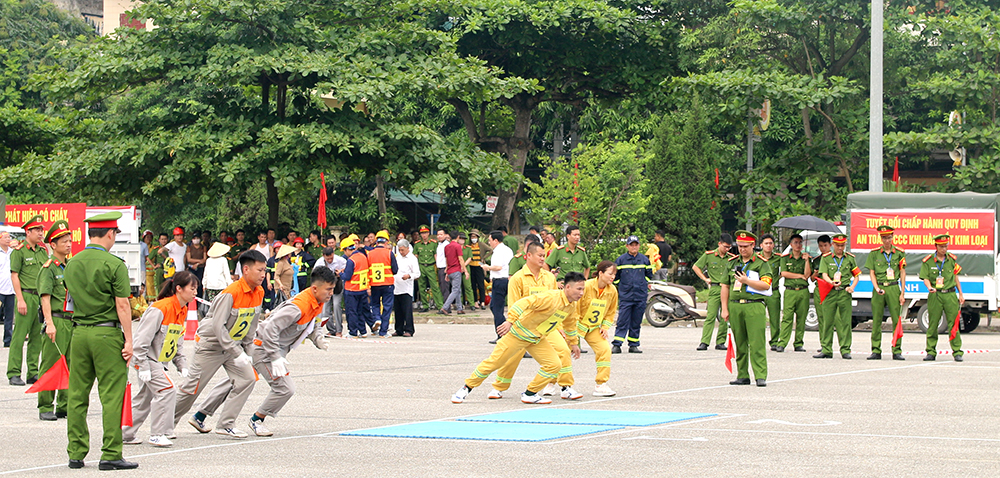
(409, 272)
(195, 259)
(333, 309)
(304, 262)
(177, 250)
(476, 275)
(314, 247)
(632, 278)
(441, 263)
(498, 276)
(6, 289)
(217, 273)
(666, 252)
(508, 240)
(237, 249)
(283, 274)
(262, 246)
(453, 270)
(145, 245)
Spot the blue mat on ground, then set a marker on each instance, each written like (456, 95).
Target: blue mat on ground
(567, 416)
(489, 431)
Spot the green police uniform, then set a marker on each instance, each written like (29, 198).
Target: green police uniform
(716, 267)
(157, 259)
(837, 305)
(27, 262)
(942, 276)
(95, 278)
(820, 317)
(888, 267)
(425, 250)
(234, 253)
(746, 316)
(511, 242)
(52, 288)
(568, 261)
(772, 304)
(516, 264)
(796, 301)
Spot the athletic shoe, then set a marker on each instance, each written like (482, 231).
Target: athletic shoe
(460, 395)
(550, 390)
(160, 441)
(376, 326)
(232, 432)
(199, 425)
(258, 428)
(570, 394)
(603, 390)
(495, 394)
(172, 436)
(536, 399)
(133, 441)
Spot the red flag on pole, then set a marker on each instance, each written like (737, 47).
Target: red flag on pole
(898, 332)
(895, 172)
(321, 215)
(730, 351)
(127, 406)
(55, 378)
(954, 328)
(824, 289)
(716, 178)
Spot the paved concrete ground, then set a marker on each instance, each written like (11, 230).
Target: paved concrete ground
(815, 418)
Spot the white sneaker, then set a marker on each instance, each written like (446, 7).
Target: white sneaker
(258, 428)
(536, 399)
(603, 390)
(133, 441)
(550, 390)
(199, 425)
(460, 395)
(570, 394)
(172, 436)
(160, 441)
(495, 394)
(232, 432)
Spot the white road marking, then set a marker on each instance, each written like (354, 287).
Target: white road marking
(666, 439)
(861, 435)
(826, 423)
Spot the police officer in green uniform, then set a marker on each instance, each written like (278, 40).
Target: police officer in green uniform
(744, 309)
(772, 303)
(824, 245)
(840, 269)
(713, 268)
(427, 284)
(25, 263)
(58, 328)
(156, 261)
(102, 342)
(887, 269)
(569, 258)
(939, 272)
(237, 249)
(795, 269)
(508, 240)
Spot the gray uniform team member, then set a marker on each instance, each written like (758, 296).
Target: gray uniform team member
(224, 337)
(334, 308)
(292, 323)
(157, 341)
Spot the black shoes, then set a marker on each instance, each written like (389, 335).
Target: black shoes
(527, 355)
(32, 380)
(702, 346)
(615, 349)
(16, 381)
(846, 356)
(47, 416)
(800, 349)
(76, 464)
(761, 382)
(494, 341)
(898, 357)
(117, 465)
(720, 347)
(740, 381)
(583, 351)
(959, 358)
(634, 350)
(774, 348)
(822, 355)
(930, 358)
(60, 414)
(875, 356)
(779, 349)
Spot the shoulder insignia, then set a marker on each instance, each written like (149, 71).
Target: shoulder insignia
(899, 249)
(519, 254)
(929, 256)
(18, 247)
(709, 252)
(785, 255)
(827, 254)
(732, 256)
(848, 253)
(581, 248)
(47, 263)
(952, 256)
(560, 247)
(874, 250)
(761, 257)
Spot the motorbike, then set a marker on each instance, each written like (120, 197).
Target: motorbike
(667, 302)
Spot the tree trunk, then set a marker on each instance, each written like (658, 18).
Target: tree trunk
(517, 148)
(272, 200)
(380, 194)
(557, 142)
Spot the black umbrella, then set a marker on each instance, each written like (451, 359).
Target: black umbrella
(811, 223)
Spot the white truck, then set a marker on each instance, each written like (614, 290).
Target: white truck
(970, 218)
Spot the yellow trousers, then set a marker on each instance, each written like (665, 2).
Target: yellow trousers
(565, 377)
(508, 347)
(602, 353)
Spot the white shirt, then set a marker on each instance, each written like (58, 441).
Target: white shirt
(339, 263)
(6, 287)
(217, 275)
(502, 256)
(440, 260)
(176, 252)
(143, 253)
(265, 249)
(407, 265)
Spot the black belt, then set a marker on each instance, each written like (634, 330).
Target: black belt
(110, 323)
(887, 284)
(748, 301)
(62, 315)
(796, 288)
(839, 288)
(30, 291)
(952, 289)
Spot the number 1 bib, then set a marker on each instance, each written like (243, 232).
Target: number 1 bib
(596, 311)
(550, 323)
(169, 349)
(242, 325)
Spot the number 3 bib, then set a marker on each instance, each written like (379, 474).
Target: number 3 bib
(169, 348)
(596, 311)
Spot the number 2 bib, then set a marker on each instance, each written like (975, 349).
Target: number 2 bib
(169, 349)
(242, 325)
(550, 323)
(596, 311)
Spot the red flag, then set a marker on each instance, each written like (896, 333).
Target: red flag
(954, 328)
(321, 215)
(898, 332)
(730, 351)
(716, 178)
(55, 378)
(895, 172)
(824, 289)
(127, 406)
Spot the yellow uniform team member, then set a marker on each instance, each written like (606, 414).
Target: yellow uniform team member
(593, 318)
(530, 321)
